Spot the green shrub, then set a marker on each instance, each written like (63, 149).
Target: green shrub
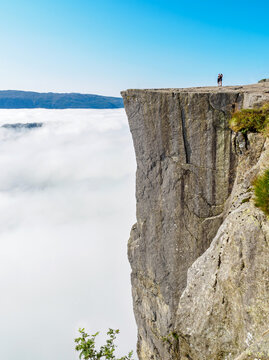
(261, 191)
(86, 346)
(251, 120)
(263, 80)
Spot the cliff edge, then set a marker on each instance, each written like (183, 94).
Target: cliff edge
(199, 250)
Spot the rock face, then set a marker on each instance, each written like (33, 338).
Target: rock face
(199, 250)
(228, 286)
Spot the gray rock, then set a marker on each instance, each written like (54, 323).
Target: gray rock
(191, 191)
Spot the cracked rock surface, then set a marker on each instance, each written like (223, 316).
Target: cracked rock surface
(199, 250)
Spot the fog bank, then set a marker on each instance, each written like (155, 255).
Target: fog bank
(66, 209)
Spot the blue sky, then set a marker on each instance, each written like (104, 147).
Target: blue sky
(106, 46)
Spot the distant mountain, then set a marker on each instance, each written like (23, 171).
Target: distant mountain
(14, 99)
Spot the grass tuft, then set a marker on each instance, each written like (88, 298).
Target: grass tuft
(251, 120)
(261, 191)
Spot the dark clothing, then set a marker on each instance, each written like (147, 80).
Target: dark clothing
(220, 76)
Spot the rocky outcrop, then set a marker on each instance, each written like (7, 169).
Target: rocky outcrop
(263, 80)
(199, 250)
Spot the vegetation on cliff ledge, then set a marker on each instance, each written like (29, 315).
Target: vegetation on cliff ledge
(261, 191)
(251, 120)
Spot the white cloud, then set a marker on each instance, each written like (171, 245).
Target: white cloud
(67, 205)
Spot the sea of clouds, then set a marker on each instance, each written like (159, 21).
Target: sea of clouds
(66, 208)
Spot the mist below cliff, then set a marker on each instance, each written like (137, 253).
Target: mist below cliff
(66, 203)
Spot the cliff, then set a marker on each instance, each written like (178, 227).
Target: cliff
(199, 250)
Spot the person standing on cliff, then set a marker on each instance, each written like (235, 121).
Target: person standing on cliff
(220, 76)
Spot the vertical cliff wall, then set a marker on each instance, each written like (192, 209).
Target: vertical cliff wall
(187, 166)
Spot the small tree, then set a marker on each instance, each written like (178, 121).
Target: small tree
(86, 346)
